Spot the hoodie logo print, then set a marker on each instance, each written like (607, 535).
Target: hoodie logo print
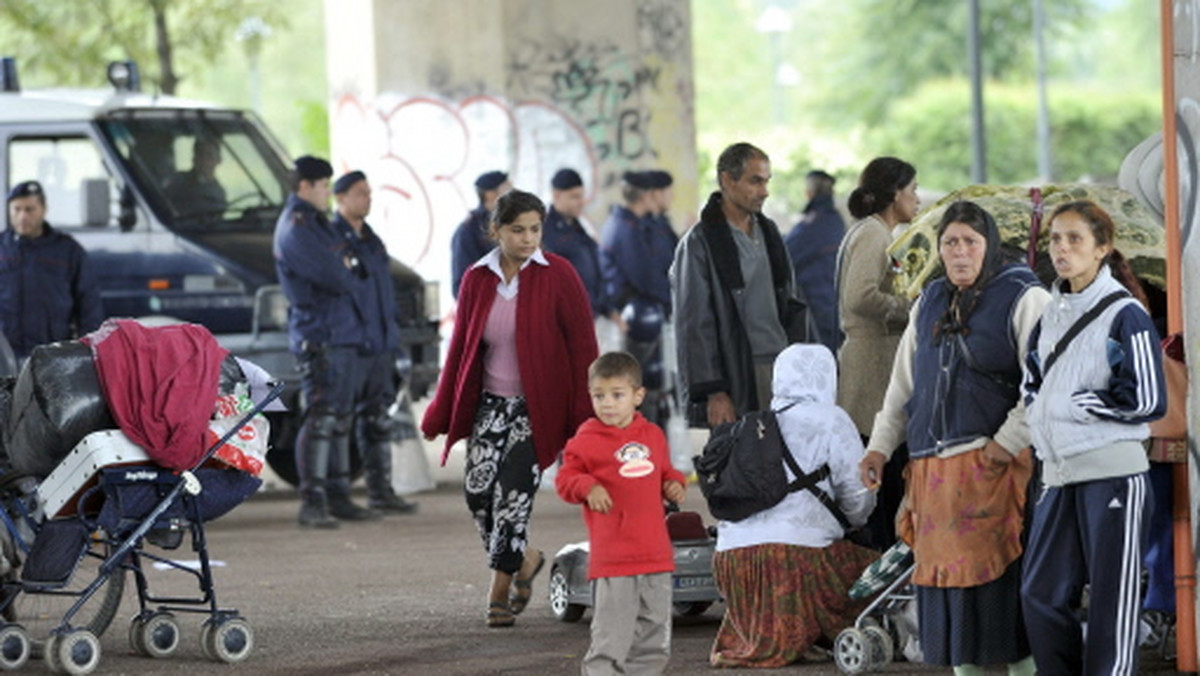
(635, 460)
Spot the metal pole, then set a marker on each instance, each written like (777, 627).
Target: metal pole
(1045, 169)
(978, 142)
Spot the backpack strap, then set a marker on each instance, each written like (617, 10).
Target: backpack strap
(809, 481)
(1079, 325)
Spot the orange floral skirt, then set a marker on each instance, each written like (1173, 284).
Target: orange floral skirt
(963, 517)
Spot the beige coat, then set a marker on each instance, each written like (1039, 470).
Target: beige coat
(871, 316)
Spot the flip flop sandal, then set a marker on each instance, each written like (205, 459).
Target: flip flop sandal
(523, 589)
(500, 615)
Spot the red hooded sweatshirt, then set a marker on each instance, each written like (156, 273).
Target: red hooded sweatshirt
(633, 464)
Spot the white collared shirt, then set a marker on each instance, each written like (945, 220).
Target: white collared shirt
(492, 262)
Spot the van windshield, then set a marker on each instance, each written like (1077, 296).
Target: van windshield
(200, 169)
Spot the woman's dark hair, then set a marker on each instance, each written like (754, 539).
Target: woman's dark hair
(878, 184)
(514, 203)
(962, 301)
(1104, 230)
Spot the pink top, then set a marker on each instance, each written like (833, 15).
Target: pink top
(501, 373)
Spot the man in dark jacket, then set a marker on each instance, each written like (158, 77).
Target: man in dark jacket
(471, 241)
(813, 245)
(47, 292)
(733, 289)
(325, 282)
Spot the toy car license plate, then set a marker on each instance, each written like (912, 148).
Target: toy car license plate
(693, 582)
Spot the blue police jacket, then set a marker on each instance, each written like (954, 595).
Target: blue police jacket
(813, 245)
(568, 239)
(469, 244)
(313, 260)
(47, 291)
(377, 297)
(969, 380)
(636, 255)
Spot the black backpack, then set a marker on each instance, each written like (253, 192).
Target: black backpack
(740, 470)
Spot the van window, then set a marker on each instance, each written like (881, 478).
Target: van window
(200, 169)
(63, 166)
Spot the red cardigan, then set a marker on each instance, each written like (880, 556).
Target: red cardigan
(556, 342)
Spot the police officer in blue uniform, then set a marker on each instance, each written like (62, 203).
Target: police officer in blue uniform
(564, 235)
(813, 245)
(471, 240)
(636, 254)
(374, 378)
(47, 292)
(324, 281)
(663, 195)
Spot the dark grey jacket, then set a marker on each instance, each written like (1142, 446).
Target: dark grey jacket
(708, 291)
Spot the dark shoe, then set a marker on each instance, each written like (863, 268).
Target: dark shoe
(390, 503)
(522, 589)
(315, 514)
(345, 510)
(500, 615)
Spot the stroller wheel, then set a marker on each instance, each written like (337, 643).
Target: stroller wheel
(15, 647)
(880, 644)
(850, 651)
(228, 641)
(156, 635)
(75, 652)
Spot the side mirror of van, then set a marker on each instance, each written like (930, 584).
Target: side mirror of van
(127, 216)
(96, 203)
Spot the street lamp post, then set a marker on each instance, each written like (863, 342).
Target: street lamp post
(251, 34)
(775, 22)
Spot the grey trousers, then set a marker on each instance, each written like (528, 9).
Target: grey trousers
(631, 626)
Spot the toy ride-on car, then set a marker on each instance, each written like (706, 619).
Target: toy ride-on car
(694, 589)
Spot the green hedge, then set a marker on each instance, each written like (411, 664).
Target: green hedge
(1091, 132)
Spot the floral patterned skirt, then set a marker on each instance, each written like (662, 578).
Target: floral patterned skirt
(781, 598)
(501, 479)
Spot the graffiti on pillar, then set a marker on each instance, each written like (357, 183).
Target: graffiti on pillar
(598, 85)
(662, 27)
(422, 155)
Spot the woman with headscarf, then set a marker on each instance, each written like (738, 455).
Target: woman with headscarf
(969, 464)
(786, 571)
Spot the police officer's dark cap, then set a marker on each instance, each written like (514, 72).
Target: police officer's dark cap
(565, 179)
(26, 189)
(818, 174)
(638, 179)
(491, 180)
(310, 168)
(347, 181)
(660, 179)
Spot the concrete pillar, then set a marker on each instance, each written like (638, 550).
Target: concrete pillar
(427, 94)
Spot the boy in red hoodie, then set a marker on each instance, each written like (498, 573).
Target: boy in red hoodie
(618, 466)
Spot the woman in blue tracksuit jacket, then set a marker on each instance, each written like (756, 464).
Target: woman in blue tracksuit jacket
(1087, 413)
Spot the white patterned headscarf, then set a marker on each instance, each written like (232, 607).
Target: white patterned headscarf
(814, 428)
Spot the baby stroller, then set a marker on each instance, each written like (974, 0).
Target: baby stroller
(886, 625)
(72, 537)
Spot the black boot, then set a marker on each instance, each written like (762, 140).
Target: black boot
(338, 486)
(313, 446)
(377, 465)
(314, 513)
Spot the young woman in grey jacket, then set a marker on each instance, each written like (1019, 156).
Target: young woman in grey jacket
(1088, 405)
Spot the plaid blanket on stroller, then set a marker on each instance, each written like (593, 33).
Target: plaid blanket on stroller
(884, 571)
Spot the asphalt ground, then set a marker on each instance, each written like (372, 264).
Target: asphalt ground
(405, 595)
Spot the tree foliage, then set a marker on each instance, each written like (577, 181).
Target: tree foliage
(886, 48)
(68, 43)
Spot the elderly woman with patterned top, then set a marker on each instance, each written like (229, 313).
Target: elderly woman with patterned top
(871, 316)
(515, 386)
(969, 462)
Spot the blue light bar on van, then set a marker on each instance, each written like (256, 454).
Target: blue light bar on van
(8, 75)
(124, 77)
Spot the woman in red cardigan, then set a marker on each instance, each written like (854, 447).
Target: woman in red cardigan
(515, 385)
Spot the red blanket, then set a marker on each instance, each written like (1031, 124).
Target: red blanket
(161, 385)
